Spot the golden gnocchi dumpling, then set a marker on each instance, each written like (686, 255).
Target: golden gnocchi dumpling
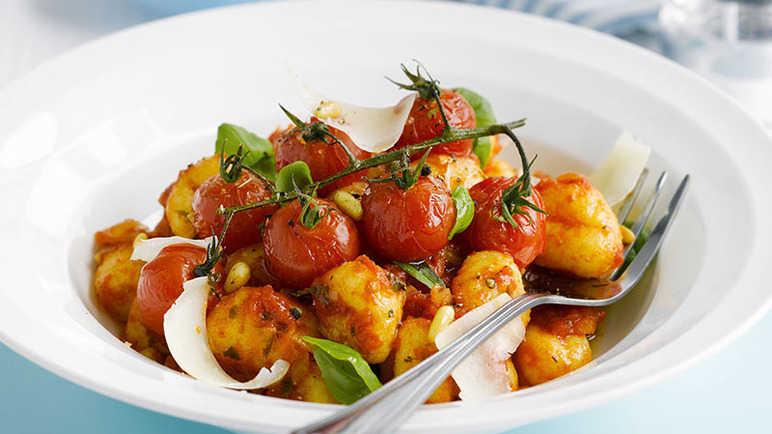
(115, 281)
(253, 327)
(360, 304)
(309, 384)
(142, 339)
(543, 356)
(497, 167)
(483, 276)
(583, 235)
(116, 235)
(455, 171)
(178, 199)
(303, 382)
(412, 347)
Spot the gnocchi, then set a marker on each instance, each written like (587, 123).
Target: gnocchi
(255, 326)
(583, 235)
(482, 277)
(178, 202)
(360, 304)
(413, 346)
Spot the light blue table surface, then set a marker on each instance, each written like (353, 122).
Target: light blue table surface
(727, 393)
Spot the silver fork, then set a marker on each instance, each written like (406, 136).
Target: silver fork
(388, 407)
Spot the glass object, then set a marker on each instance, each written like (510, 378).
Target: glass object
(729, 42)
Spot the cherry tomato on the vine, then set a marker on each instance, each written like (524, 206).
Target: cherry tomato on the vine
(489, 232)
(425, 122)
(323, 158)
(245, 226)
(160, 281)
(296, 254)
(407, 224)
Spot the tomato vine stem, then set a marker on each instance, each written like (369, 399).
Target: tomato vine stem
(388, 157)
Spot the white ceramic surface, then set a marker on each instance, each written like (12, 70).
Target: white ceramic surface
(94, 136)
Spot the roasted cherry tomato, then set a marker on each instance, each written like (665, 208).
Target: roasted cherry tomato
(245, 226)
(407, 225)
(425, 122)
(489, 232)
(296, 254)
(160, 281)
(324, 159)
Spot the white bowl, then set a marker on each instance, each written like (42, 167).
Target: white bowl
(94, 136)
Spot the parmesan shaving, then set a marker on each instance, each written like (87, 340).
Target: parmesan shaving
(484, 373)
(371, 129)
(186, 336)
(617, 175)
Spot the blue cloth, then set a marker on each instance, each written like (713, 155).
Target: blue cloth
(612, 16)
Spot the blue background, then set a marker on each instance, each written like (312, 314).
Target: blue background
(729, 392)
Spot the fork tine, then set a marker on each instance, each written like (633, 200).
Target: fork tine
(644, 218)
(650, 249)
(641, 223)
(624, 212)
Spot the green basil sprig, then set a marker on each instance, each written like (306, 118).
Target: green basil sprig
(421, 272)
(464, 210)
(483, 111)
(294, 175)
(345, 372)
(258, 151)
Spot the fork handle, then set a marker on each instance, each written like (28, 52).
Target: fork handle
(386, 408)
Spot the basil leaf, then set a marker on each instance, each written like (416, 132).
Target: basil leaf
(258, 151)
(483, 148)
(345, 372)
(483, 112)
(294, 174)
(422, 273)
(464, 210)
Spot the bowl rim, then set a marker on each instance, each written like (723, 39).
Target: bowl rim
(749, 134)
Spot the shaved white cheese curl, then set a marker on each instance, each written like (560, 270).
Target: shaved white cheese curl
(484, 373)
(371, 129)
(147, 250)
(185, 332)
(617, 175)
